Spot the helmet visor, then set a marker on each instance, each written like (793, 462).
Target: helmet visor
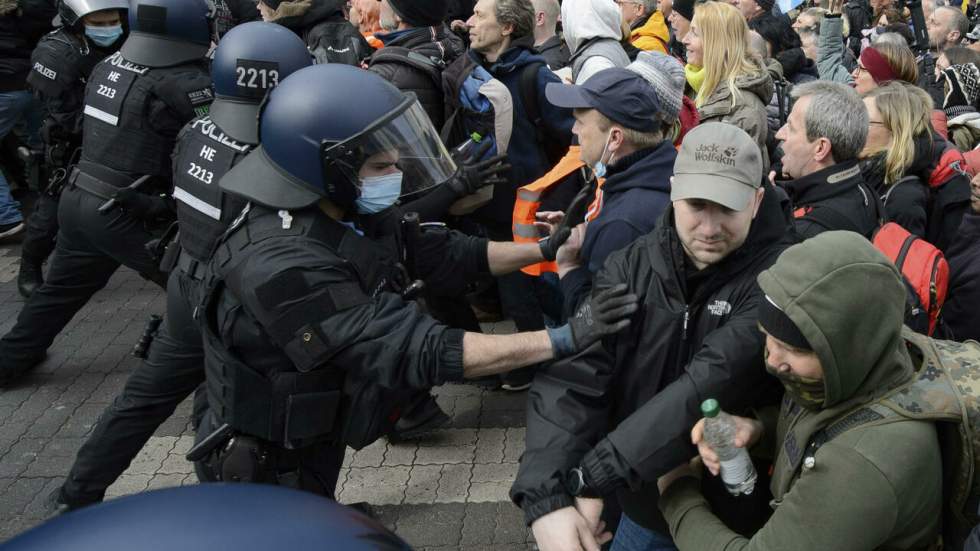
(403, 141)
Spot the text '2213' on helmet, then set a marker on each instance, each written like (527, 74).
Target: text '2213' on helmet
(249, 61)
(320, 125)
(71, 11)
(164, 33)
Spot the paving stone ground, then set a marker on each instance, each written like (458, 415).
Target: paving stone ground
(446, 491)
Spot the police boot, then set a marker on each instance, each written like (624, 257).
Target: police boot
(58, 504)
(422, 416)
(29, 278)
(13, 366)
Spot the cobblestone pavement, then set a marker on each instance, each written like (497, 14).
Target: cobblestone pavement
(446, 491)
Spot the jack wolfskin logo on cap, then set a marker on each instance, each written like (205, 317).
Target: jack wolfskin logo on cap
(709, 153)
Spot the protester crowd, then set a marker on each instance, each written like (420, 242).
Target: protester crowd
(674, 201)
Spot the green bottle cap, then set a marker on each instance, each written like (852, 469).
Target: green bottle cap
(710, 407)
(476, 137)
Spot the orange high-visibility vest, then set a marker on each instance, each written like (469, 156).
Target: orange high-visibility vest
(529, 201)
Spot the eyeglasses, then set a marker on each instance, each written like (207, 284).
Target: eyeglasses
(877, 122)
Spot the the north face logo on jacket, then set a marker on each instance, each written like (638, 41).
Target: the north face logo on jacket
(720, 308)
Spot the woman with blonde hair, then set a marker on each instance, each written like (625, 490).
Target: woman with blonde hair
(900, 158)
(731, 84)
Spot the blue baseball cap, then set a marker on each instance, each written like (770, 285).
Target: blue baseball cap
(623, 96)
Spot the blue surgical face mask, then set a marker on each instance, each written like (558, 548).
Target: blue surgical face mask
(104, 36)
(379, 192)
(600, 167)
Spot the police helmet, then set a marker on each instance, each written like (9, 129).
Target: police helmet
(164, 33)
(244, 517)
(249, 61)
(71, 11)
(321, 124)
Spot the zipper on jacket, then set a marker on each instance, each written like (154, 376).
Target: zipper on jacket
(687, 315)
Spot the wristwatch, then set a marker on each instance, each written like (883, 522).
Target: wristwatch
(576, 485)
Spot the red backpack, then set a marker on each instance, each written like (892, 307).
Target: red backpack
(926, 274)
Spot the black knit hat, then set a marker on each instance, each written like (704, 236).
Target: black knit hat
(421, 13)
(778, 324)
(685, 8)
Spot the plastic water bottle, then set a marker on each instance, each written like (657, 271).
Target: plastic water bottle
(473, 141)
(737, 471)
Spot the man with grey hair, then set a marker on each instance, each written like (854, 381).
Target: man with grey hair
(947, 26)
(821, 140)
(546, 40)
(502, 44)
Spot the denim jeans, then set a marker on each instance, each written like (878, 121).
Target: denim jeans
(630, 536)
(13, 106)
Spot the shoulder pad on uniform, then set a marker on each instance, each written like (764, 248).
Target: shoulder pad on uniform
(191, 93)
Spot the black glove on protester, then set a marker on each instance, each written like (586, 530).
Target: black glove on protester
(473, 174)
(604, 314)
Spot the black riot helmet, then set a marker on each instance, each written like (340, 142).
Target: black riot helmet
(70, 12)
(321, 124)
(164, 33)
(249, 61)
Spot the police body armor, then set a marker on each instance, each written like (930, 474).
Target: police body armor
(293, 397)
(118, 134)
(203, 155)
(60, 67)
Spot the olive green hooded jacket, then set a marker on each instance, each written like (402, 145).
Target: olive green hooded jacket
(872, 487)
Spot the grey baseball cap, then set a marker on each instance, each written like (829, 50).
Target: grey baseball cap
(720, 163)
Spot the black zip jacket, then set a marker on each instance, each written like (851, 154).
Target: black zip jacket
(623, 409)
(835, 198)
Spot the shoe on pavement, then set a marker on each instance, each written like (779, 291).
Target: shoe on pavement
(29, 278)
(56, 504)
(425, 416)
(10, 230)
(517, 380)
(14, 367)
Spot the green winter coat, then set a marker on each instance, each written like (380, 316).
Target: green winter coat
(747, 111)
(872, 487)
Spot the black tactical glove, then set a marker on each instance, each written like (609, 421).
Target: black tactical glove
(603, 314)
(574, 215)
(473, 174)
(142, 206)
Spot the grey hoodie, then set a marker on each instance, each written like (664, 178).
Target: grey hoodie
(593, 30)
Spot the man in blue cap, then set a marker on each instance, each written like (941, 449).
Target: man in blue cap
(624, 121)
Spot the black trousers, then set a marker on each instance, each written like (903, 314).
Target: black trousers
(42, 229)
(90, 247)
(174, 367)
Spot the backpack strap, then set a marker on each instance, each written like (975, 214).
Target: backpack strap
(529, 98)
(395, 54)
(529, 92)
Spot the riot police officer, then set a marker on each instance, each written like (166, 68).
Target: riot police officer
(309, 343)
(60, 65)
(248, 62)
(136, 101)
